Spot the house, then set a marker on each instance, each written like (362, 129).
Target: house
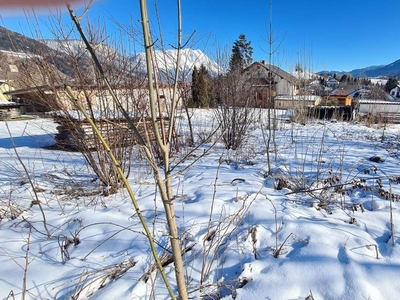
(266, 81)
(37, 99)
(296, 101)
(342, 96)
(332, 83)
(395, 92)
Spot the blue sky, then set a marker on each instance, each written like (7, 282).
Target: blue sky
(321, 35)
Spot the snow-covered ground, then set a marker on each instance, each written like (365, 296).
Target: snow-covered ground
(319, 226)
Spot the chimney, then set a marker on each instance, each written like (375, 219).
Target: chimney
(264, 62)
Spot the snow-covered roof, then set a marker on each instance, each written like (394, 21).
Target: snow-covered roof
(345, 91)
(297, 97)
(380, 102)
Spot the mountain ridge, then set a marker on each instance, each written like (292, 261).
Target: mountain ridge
(389, 70)
(64, 55)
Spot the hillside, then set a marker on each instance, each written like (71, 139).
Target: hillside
(24, 51)
(392, 69)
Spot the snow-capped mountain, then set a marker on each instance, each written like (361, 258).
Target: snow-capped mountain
(78, 47)
(166, 60)
(106, 54)
(166, 63)
(68, 55)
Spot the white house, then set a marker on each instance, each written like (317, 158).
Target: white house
(395, 92)
(332, 83)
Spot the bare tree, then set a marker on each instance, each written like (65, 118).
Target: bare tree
(163, 135)
(236, 112)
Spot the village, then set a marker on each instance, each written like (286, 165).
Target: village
(271, 87)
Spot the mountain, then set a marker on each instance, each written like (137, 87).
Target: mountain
(392, 69)
(65, 55)
(25, 53)
(166, 62)
(364, 72)
(11, 41)
(77, 48)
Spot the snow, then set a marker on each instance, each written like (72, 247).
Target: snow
(329, 245)
(166, 62)
(19, 55)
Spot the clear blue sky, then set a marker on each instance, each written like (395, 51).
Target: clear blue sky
(322, 35)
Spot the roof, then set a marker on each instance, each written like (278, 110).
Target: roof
(9, 104)
(344, 91)
(28, 90)
(275, 70)
(333, 80)
(380, 102)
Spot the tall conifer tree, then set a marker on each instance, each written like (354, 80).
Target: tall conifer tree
(242, 54)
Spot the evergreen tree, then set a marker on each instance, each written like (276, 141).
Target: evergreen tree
(203, 94)
(242, 54)
(391, 84)
(203, 86)
(195, 87)
(344, 78)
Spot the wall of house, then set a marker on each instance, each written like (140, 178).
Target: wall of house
(292, 104)
(283, 87)
(341, 100)
(296, 101)
(132, 100)
(395, 92)
(4, 87)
